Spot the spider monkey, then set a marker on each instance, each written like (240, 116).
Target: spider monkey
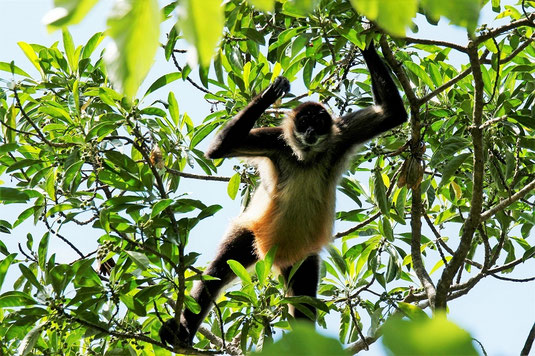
(300, 163)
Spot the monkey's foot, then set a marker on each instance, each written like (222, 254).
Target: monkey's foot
(175, 334)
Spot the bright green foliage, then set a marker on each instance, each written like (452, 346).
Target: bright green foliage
(392, 15)
(462, 13)
(79, 152)
(134, 30)
(435, 336)
(304, 340)
(202, 24)
(67, 12)
(264, 5)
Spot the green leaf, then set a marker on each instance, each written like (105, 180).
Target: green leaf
(305, 299)
(61, 275)
(67, 12)
(29, 341)
(16, 299)
(202, 24)
(420, 73)
(70, 175)
(43, 250)
(30, 277)
(140, 259)
(442, 337)
(263, 5)
(462, 13)
(58, 208)
(412, 311)
(379, 190)
(392, 269)
(392, 16)
(12, 195)
(240, 271)
(201, 133)
(260, 269)
(134, 28)
(162, 81)
(386, 230)
(447, 149)
(173, 108)
(68, 44)
(160, 206)
(4, 266)
(451, 167)
(192, 304)
(12, 68)
(304, 340)
(299, 8)
(6, 227)
(31, 55)
(234, 186)
(338, 259)
(90, 46)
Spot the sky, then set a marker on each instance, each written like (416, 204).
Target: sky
(499, 314)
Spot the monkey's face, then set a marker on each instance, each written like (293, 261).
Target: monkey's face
(312, 126)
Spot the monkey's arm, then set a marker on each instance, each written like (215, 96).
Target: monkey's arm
(238, 138)
(387, 113)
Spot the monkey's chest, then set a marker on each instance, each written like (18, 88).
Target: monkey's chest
(297, 217)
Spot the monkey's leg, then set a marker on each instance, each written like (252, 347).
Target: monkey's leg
(239, 246)
(304, 282)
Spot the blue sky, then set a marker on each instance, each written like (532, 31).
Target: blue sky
(497, 313)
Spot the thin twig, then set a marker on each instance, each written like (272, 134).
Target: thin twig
(197, 176)
(529, 342)
(493, 121)
(436, 43)
(498, 31)
(37, 129)
(506, 202)
(175, 61)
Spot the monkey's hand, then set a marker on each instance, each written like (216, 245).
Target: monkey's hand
(277, 89)
(175, 334)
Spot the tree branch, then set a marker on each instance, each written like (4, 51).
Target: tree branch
(506, 202)
(513, 54)
(473, 220)
(529, 342)
(498, 31)
(436, 43)
(37, 129)
(218, 342)
(400, 73)
(196, 176)
(357, 227)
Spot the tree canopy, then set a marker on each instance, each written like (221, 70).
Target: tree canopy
(436, 206)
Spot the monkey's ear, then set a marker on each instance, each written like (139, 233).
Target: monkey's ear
(277, 89)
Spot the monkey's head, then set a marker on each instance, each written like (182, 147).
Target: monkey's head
(308, 129)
